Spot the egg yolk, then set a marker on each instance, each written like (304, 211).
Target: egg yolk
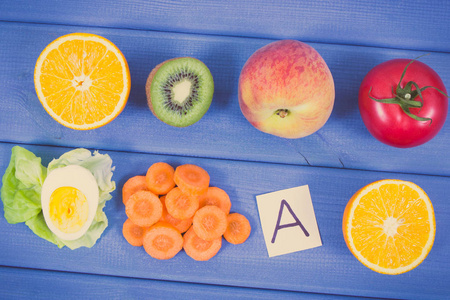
(69, 209)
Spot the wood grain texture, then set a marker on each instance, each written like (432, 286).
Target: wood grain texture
(38, 284)
(223, 132)
(329, 269)
(393, 24)
(352, 36)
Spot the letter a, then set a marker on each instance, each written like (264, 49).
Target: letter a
(296, 223)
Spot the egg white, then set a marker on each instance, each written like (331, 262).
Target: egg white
(72, 176)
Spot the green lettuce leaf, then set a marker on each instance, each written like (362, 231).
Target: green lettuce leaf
(39, 227)
(94, 232)
(99, 164)
(21, 186)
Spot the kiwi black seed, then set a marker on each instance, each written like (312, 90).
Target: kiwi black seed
(179, 91)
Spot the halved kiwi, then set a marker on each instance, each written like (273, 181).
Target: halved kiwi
(179, 91)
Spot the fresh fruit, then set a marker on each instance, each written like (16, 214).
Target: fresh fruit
(82, 80)
(286, 89)
(389, 226)
(393, 109)
(238, 229)
(162, 241)
(201, 228)
(179, 91)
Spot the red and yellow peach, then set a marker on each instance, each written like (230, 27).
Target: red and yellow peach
(286, 89)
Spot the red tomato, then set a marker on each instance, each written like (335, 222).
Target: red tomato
(388, 122)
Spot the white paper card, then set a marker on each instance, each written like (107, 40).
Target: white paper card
(288, 221)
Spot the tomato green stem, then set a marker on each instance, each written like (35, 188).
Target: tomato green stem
(405, 97)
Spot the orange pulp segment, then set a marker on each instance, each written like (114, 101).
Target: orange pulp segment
(389, 226)
(82, 80)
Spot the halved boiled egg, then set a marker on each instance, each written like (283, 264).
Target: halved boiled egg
(69, 201)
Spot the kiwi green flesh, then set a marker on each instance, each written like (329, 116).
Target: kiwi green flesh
(188, 77)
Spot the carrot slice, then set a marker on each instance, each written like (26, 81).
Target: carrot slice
(210, 222)
(163, 199)
(198, 248)
(160, 178)
(238, 229)
(133, 233)
(217, 197)
(144, 208)
(180, 205)
(191, 179)
(134, 184)
(162, 241)
(181, 225)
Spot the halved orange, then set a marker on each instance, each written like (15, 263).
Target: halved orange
(389, 226)
(82, 80)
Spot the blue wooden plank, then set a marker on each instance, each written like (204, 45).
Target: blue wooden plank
(329, 269)
(18, 283)
(406, 25)
(343, 143)
(223, 132)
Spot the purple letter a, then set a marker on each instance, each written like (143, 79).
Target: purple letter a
(296, 223)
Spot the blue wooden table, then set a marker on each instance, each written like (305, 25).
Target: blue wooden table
(352, 36)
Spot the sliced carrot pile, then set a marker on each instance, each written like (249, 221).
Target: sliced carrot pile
(181, 205)
(238, 229)
(144, 208)
(172, 209)
(198, 248)
(217, 197)
(160, 178)
(162, 241)
(134, 184)
(181, 225)
(210, 222)
(191, 179)
(133, 233)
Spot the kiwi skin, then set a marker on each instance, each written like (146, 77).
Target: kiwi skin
(148, 85)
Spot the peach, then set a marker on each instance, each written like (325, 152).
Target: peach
(286, 89)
